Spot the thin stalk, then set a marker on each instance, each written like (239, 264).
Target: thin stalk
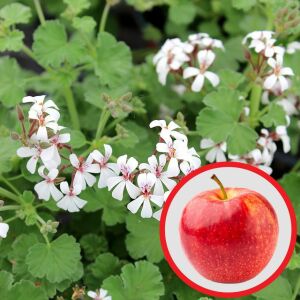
(72, 107)
(10, 219)
(104, 18)
(28, 52)
(9, 207)
(9, 195)
(102, 122)
(10, 185)
(39, 11)
(296, 167)
(217, 180)
(254, 103)
(15, 177)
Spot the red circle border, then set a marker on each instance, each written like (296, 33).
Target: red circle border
(260, 286)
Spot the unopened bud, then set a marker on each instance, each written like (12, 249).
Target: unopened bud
(126, 97)
(14, 136)
(293, 15)
(20, 113)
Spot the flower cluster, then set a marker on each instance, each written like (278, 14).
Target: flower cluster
(261, 157)
(186, 60)
(268, 63)
(45, 144)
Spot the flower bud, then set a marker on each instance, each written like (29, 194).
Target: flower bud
(20, 113)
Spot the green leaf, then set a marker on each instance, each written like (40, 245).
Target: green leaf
(220, 121)
(19, 251)
(77, 139)
(294, 262)
(6, 281)
(183, 13)
(7, 153)
(93, 245)
(12, 41)
(12, 83)
(26, 290)
(139, 281)
(143, 5)
(52, 48)
(15, 13)
(291, 184)
(85, 24)
(104, 266)
(230, 79)
(113, 63)
(56, 261)
(114, 211)
(140, 245)
(280, 289)
(275, 116)
(75, 7)
(243, 4)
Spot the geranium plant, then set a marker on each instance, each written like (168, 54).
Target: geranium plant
(94, 134)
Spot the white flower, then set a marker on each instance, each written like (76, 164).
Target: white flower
(205, 60)
(216, 153)
(262, 42)
(99, 295)
(267, 144)
(70, 201)
(3, 229)
(50, 155)
(277, 74)
(187, 167)
(83, 170)
(172, 56)
(107, 169)
(255, 158)
(33, 150)
(156, 168)
(204, 41)
(145, 183)
(47, 188)
(179, 89)
(176, 150)
(157, 214)
(281, 134)
(290, 105)
(169, 130)
(119, 182)
(293, 47)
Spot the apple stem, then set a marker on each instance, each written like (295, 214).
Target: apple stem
(217, 180)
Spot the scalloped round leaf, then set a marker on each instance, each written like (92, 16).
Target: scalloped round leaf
(12, 82)
(93, 245)
(12, 41)
(26, 290)
(114, 62)
(15, 13)
(6, 281)
(56, 261)
(51, 46)
(142, 280)
(140, 244)
(7, 153)
(105, 265)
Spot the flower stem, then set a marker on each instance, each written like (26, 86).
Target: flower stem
(28, 51)
(217, 180)
(10, 219)
(296, 290)
(102, 122)
(9, 207)
(39, 11)
(9, 195)
(104, 18)
(72, 107)
(10, 185)
(254, 103)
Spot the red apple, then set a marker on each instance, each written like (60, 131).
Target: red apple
(229, 234)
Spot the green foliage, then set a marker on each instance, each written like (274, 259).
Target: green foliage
(220, 121)
(139, 281)
(275, 116)
(56, 261)
(140, 245)
(15, 13)
(52, 48)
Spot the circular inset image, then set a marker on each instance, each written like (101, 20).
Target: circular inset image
(228, 229)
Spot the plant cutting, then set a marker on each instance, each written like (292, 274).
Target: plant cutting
(229, 234)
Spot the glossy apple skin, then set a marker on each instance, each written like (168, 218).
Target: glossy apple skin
(229, 241)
